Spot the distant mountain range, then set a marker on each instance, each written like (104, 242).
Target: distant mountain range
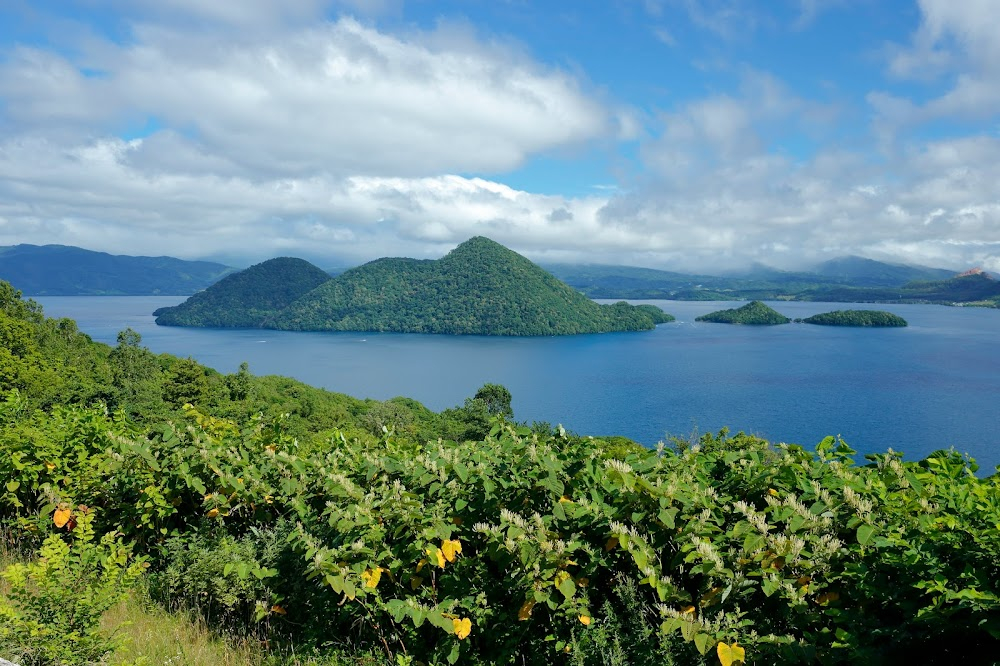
(63, 270)
(60, 270)
(848, 279)
(479, 288)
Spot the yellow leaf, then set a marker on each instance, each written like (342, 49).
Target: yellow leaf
(565, 500)
(561, 578)
(450, 548)
(612, 542)
(462, 627)
(213, 513)
(770, 491)
(421, 564)
(371, 577)
(278, 609)
(730, 654)
(436, 556)
(688, 610)
(526, 609)
(826, 598)
(585, 620)
(416, 582)
(61, 517)
(49, 466)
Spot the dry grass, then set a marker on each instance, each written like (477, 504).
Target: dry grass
(151, 636)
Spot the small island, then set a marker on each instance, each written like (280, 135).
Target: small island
(479, 288)
(754, 313)
(864, 318)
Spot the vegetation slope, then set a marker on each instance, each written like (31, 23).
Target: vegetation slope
(864, 318)
(480, 288)
(462, 537)
(60, 270)
(754, 313)
(244, 299)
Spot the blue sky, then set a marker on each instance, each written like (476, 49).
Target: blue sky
(676, 134)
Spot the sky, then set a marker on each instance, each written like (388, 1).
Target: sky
(690, 135)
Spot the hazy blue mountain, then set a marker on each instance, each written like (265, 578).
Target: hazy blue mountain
(62, 270)
(863, 272)
(843, 279)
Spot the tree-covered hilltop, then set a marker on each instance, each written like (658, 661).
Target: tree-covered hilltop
(285, 514)
(866, 318)
(479, 288)
(244, 299)
(754, 313)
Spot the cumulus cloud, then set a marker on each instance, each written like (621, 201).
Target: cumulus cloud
(268, 129)
(957, 40)
(342, 97)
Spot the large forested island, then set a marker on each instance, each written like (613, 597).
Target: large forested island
(754, 313)
(479, 288)
(863, 318)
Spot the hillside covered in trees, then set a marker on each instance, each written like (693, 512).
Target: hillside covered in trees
(244, 299)
(284, 515)
(479, 288)
(754, 313)
(863, 318)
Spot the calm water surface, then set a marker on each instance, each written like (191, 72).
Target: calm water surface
(932, 385)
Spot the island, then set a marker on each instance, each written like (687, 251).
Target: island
(864, 318)
(479, 288)
(754, 313)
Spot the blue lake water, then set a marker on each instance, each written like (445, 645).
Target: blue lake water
(932, 385)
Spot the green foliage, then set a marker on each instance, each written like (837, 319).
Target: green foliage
(754, 313)
(480, 288)
(497, 399)
(243, 299)
(299, 514)
(56, 601)
(867, 318)
(135, 375)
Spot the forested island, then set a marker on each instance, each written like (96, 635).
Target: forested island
(479, 288)
(283, 515)
(863, 318)
(754, 313)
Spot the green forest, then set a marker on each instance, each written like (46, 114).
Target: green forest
(753, 313)
(480, 288)
(863, 318)
(331, 530)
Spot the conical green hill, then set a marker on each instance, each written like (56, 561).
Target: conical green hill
(245, 299)
(480, 288)
(754, 313)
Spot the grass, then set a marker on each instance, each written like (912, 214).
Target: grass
(151, 636)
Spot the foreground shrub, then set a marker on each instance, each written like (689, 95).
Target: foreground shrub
(57, 600)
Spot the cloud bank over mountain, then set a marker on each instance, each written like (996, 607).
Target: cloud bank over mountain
(365, 128)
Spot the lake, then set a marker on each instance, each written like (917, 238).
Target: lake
(931, 385)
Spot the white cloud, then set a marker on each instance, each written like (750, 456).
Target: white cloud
(341, 97)
(941, 208)
(957, 40)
